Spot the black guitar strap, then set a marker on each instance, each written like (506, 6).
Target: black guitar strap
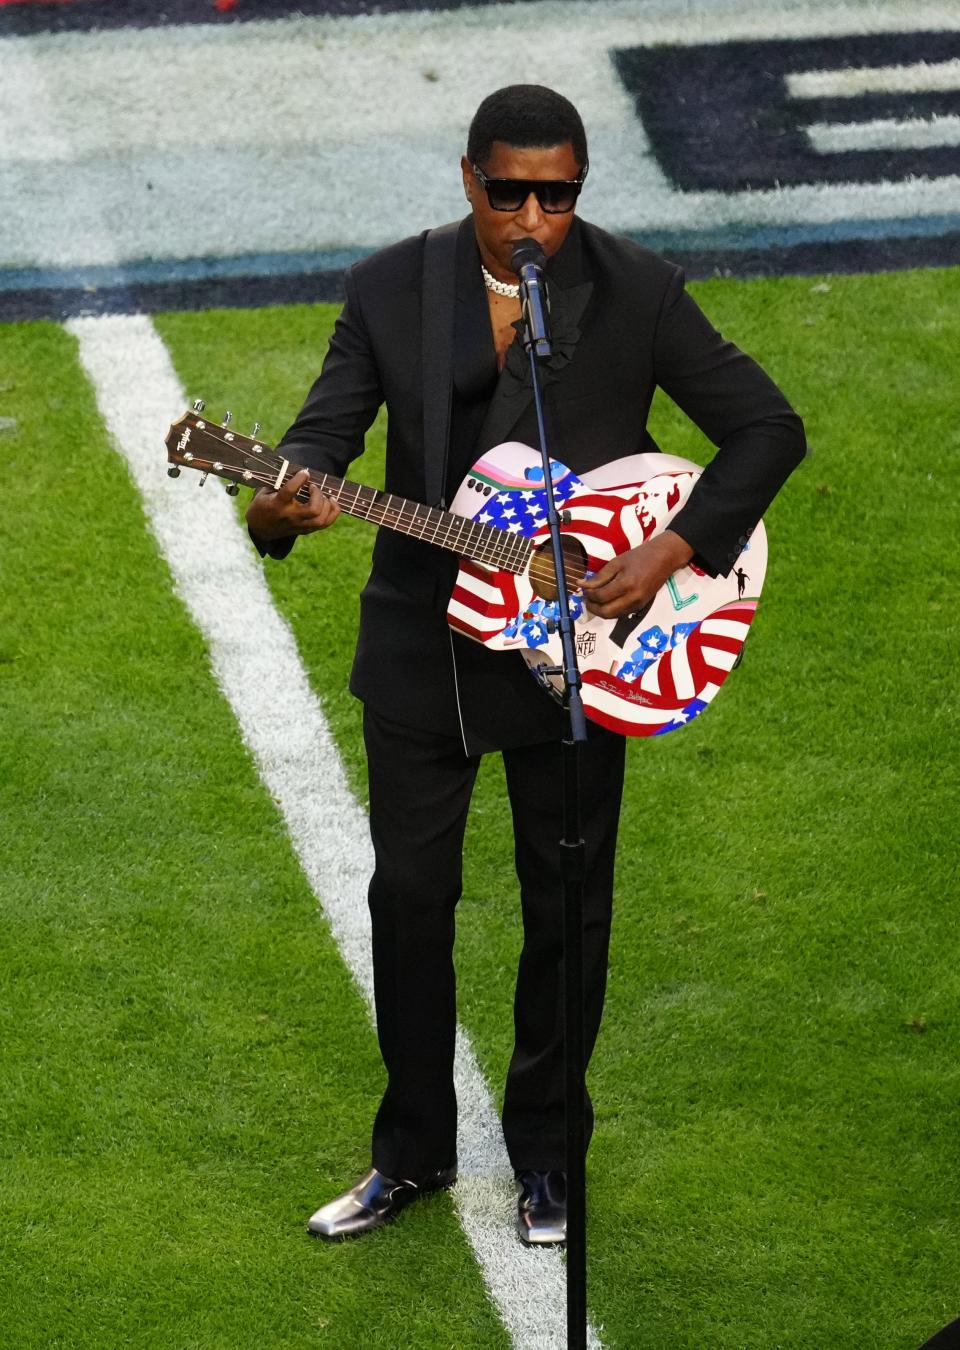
(438, 301)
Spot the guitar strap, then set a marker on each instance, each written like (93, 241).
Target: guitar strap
(437, 307)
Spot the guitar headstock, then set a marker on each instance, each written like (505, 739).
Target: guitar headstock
(194, 442)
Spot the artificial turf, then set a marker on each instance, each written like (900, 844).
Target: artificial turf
(170, 1112)
(775, 1161)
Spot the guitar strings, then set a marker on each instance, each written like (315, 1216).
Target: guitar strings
(380, 510)
(493, 546)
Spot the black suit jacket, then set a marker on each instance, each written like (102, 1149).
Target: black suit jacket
(622, 324)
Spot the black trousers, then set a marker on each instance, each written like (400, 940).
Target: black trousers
(420, 787)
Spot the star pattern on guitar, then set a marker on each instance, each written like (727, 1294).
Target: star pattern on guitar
(524, 510)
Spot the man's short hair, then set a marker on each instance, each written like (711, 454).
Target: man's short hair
(525, 115)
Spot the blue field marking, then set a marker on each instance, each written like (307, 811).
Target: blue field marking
(156, 297)
(716, 137)
(720, 116)
(168, 271)
(230, 283)
(329, 264)
(828, 232)
(27, 18)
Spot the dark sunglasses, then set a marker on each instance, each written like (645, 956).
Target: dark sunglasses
(555, 195)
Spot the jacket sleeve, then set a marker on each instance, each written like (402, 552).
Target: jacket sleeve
(759, 438)
(329, 430)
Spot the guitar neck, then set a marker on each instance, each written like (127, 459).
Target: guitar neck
(195, 443)
(467, 538)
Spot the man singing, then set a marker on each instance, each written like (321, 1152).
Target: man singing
(428, 328)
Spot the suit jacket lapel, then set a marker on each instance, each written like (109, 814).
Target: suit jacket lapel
(441, 257)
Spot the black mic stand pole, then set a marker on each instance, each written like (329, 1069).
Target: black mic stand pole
(572, 852)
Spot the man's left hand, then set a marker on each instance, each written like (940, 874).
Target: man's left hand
(627, 582)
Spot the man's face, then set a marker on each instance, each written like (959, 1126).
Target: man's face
(498, 231)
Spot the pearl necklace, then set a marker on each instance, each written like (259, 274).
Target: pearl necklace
(499, 287)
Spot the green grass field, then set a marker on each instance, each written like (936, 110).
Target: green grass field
(187, 1068)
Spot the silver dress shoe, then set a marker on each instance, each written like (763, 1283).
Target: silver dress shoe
(542, 1208)
(372, 1202)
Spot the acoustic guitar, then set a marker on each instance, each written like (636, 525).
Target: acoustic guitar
(644, 673)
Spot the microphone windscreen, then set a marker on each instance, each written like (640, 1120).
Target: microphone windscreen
(527, 251)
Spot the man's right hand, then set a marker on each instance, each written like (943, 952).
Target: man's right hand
(277, 515)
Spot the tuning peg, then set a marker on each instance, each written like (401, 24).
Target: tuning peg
(232, 489)
(173, 471)
(227, 419)
(198, 405)
(256, 430)
(203, 478)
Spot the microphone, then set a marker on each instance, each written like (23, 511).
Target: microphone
(528, 261)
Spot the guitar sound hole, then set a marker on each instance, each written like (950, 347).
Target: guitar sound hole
(543, 576)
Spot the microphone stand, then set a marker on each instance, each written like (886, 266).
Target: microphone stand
(572, 855)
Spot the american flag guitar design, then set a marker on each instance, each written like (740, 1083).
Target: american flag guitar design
(643, 674)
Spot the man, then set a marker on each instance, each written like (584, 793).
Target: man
(428, 328)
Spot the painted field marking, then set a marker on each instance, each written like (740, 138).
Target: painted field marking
(884, 133)
(919, 78)
(209, 172)
(253, 654)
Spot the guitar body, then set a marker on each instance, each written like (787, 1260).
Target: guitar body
(643, 674)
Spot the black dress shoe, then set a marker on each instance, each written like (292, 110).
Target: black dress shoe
(372, 1202)
(542, 1208)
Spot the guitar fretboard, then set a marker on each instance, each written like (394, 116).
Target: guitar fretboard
(200, 445)
(468, 538)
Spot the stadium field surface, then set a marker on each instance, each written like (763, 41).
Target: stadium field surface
(190, 1069)
(187, 1054)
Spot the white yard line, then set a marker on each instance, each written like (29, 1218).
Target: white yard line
(254, 657)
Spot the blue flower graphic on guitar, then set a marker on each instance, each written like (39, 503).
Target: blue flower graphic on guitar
(533, 626)
(653, 642)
